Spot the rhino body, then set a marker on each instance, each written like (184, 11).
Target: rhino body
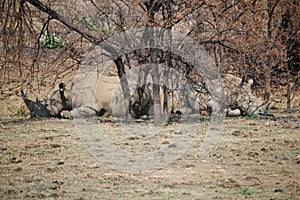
(239, 99)
(102, 99)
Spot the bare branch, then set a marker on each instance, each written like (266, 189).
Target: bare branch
(39, 5)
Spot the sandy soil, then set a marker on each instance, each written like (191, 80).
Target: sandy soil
(255, 158)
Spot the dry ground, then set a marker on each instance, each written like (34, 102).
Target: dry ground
(256, 158)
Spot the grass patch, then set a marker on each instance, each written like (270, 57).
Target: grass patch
(244, 191)
(109, 181)
(289, 155)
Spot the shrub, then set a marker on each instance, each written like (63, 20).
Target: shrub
(50, 41)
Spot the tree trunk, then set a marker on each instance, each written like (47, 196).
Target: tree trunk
(156, 89)
(143, 73)
(267, 72)
(165, 92)
(124, 84)
(288, 92)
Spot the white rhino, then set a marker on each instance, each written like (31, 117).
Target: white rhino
(239, 99)
(81, 101)
(239, 96)
(83, 98)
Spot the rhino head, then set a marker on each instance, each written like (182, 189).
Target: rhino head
(59, 99)
(140, 102)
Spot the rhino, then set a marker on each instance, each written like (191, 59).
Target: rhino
(81, 100)
(239, 99)
(85, 99)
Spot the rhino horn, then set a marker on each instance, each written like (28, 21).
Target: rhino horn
(37, 109)
(29, 103)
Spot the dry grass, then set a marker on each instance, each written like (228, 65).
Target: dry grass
(255, 158)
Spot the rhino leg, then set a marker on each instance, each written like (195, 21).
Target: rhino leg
(83, 111)
(233, 112)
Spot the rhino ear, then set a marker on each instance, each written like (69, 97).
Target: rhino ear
(250, 82)
(61, 86)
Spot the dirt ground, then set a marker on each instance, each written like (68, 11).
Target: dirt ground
(255, 158)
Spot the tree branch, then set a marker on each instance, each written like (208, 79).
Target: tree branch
(42, 7)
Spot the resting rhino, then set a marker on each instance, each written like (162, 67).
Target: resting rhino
(239, 99)
(239, 96)
(104, 99)
(81, 101)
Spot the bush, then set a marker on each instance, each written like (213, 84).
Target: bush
(50, 41)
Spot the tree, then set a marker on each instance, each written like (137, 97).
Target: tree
(248, 38)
